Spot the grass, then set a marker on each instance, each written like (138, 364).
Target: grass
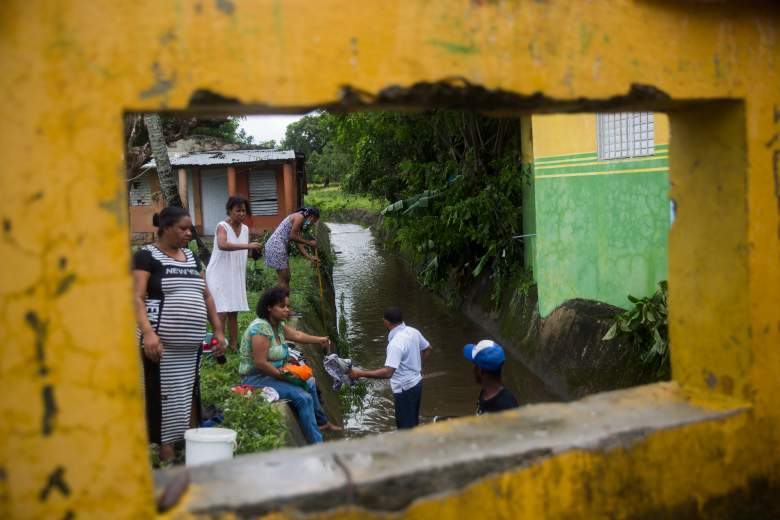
(332, 200)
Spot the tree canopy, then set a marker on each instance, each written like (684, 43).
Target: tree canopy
(452, 180)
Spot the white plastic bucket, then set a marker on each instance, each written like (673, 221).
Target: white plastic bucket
(206, 445)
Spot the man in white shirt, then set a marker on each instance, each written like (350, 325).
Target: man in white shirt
(406, 351)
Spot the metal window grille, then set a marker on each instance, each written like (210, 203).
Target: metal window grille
(262, 193)
(140, 191)
(625, 134)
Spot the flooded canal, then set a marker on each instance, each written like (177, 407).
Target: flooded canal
(370, 278)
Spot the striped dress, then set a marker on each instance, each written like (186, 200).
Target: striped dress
(176, 307)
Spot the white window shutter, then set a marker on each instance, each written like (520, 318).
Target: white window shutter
(140, 191)
(262, 193)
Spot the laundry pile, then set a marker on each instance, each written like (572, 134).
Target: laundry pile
(338, 369)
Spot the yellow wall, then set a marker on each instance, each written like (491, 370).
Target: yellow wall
(71, 406)
(564, 134)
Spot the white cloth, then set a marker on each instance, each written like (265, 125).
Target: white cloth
(403, 354)
(226, 272)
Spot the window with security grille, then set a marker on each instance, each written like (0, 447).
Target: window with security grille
(140, 191)
(262, 193)
(625, 134)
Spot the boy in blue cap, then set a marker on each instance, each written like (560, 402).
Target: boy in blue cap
(488, 358)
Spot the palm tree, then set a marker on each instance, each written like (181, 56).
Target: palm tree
(168, 182)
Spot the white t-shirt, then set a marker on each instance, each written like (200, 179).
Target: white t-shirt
(403, 354)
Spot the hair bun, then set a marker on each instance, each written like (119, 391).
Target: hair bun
(156, 220)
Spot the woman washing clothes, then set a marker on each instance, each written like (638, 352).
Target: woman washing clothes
(275, 251)
(264, 352)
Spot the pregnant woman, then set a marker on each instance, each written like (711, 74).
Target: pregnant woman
(171, 306)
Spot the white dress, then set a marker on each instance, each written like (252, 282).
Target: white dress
(226, 272)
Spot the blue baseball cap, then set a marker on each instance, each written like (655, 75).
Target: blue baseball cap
(487, 354)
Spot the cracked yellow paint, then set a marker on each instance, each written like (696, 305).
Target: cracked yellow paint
(73, 437)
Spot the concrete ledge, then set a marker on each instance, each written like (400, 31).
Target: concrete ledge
(387, 472)
(294, 436)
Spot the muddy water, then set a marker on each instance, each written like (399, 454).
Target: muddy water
(370, 278)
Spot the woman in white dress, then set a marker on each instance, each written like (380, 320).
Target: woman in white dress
(226, 272)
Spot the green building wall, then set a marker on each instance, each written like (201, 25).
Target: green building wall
(602, 227)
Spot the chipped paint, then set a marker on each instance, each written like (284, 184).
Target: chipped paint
(68, 76)
(453, 47)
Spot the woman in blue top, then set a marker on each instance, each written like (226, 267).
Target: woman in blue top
(263, 353)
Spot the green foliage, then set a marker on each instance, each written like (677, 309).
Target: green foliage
(258, 276)
(224, 129)
(269, 145)
(332, 200)
(329, 164)
(455, 186)
(353, 398)
(646, 327)
(258, 423)
(259, 426)
(314, 136)
(309, 134)
(342, 325)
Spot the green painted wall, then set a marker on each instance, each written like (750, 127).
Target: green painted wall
(602, 227)
(529, 218)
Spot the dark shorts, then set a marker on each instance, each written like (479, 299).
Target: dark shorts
(407, 407)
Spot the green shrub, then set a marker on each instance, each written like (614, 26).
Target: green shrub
(647, 329)
(259, 426)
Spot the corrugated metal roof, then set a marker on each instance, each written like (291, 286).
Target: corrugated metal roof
(217, 157)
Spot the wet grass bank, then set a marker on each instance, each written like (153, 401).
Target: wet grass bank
(338, 206)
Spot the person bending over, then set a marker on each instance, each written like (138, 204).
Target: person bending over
(289, 229)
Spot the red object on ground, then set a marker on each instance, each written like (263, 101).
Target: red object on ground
(242, 389)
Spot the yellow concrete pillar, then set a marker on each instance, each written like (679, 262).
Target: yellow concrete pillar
(74, 441)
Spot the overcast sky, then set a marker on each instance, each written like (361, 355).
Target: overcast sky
(264, 128)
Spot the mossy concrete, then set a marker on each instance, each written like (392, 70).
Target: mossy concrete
(565, 349)
(293, 436)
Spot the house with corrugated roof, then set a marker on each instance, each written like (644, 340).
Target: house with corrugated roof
(274, 182)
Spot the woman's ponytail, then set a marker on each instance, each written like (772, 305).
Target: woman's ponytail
(168, 217)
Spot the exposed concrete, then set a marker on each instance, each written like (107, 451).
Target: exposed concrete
(565, 349)
(294, 435)
(390, 471)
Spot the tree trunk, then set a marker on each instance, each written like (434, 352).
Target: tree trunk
(169, 181)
